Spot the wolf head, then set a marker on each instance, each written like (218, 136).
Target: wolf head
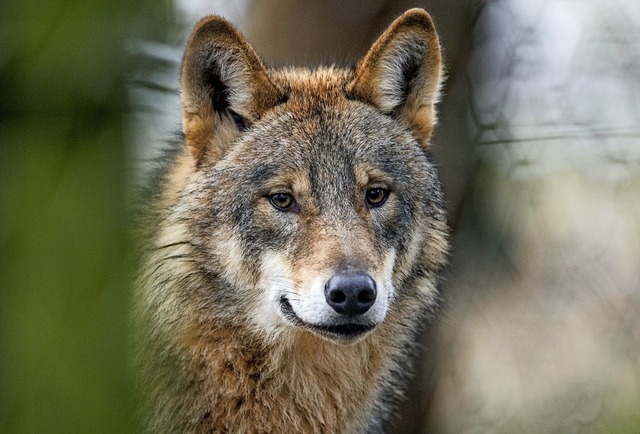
(306, 201)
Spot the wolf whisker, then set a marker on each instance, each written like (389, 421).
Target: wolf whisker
(177, 243)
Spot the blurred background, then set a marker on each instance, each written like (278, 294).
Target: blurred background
(65, 262)
(538, 145)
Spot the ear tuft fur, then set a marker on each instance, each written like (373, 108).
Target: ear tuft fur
(224, 87)
(401, 74)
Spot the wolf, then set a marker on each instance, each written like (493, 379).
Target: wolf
(292, 243)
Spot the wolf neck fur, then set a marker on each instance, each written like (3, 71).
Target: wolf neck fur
(236, 372)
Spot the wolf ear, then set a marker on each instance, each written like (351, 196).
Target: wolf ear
(224, 87)
(401, 73)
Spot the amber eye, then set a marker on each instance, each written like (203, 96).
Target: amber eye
(283, 202)
(376, 196)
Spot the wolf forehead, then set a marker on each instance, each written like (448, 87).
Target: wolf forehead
(320, 143)
(303, 85)
(317, 115)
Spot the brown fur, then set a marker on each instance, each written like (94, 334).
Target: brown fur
(408, 46)
(213, 356)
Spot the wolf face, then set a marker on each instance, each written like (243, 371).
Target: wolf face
(303, 213)
(308, 187)
(318, 214)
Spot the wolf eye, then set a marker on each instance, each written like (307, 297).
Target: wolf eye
(376, 196)
(283, 202)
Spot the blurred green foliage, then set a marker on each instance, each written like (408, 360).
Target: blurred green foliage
(64, 247)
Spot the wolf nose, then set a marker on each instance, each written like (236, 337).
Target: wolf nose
(350, 294)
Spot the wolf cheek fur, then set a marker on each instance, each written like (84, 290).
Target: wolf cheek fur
(292, 247)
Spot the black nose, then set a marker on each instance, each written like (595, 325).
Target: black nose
(350, 294)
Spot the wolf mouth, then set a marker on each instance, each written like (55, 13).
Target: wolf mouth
(349, 331)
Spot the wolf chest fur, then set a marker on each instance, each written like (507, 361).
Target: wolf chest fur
(292, 243)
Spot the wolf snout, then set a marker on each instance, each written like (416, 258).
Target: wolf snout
(350, 294)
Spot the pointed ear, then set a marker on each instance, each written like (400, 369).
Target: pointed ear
(224, 87)
(401, 73)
